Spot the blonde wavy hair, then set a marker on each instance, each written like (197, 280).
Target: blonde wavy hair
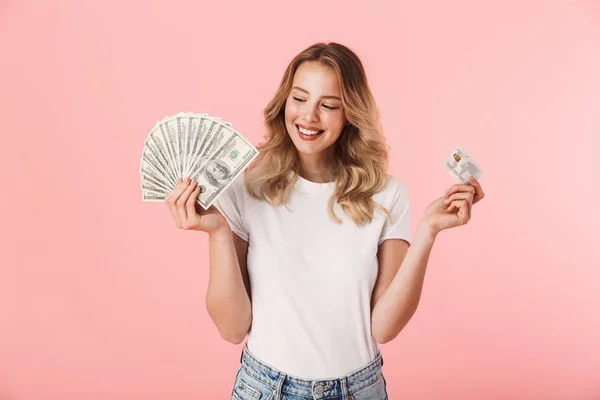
(360, 159)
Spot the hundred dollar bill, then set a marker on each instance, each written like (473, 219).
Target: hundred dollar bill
(168, 129)
(155, 153)
(148, 188)
(153, 178)
(214, 141)
(461, 166)
(224, 166)
(183, 120)
(198, 159)
(211, 125)
(170, 125)
(151, 164)
(152, 196)
(190, 140)
(166, 139)
(200, 125)
(190, 125)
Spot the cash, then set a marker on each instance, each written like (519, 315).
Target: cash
(461, 166)
(198, 146)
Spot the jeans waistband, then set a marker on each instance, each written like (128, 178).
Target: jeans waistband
(322, 389)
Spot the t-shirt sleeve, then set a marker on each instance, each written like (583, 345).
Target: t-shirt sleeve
(399, 225)
(229, 203)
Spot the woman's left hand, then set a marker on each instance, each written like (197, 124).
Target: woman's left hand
(454, 208)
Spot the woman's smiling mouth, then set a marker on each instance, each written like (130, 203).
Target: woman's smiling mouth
(308, 132)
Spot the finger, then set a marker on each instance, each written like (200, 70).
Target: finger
(172, 190)
(181, 202)
(460, 188)
(478, 190)
(176, 191)
(170, 201)
(191, 202)
(460, 195)
(467, 196)
(462, 210)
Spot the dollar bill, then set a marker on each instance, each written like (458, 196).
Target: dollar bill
(151, 196)
(150, 161)
(155, 152)
(150, 174)
(170, 126)
(193, 124)
(166, 139)
(182, 135)
(201, 125)
(219, 134)
(198, 157)
(222, 169)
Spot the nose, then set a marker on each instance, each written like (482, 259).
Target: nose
(311, 114)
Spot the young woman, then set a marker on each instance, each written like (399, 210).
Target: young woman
(310, 251)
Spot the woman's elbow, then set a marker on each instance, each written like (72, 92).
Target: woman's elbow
(383, 338)
(234, 338)
(235, 333)
(231, 328)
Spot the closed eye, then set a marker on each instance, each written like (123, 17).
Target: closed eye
(325, 106)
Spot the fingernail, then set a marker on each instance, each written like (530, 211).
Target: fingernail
(446, 201)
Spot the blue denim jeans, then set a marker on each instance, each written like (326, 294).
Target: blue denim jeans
(258, 381)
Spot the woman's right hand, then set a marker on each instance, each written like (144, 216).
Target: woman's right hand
(188, 214)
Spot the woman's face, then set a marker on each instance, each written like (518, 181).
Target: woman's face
(314, 116)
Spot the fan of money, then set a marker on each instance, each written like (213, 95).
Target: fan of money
(197, 146)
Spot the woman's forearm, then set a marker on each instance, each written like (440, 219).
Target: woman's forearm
(227, 301)
(396, 306)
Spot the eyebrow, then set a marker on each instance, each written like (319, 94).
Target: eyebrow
(325, 97)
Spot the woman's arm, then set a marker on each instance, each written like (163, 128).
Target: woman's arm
(399, 284)
(228, 295)
(402, 269)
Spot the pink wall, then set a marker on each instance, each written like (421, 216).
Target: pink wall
(101, 297)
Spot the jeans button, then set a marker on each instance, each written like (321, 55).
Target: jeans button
(319, 388)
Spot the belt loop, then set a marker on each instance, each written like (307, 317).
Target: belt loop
(279, 388)
(344, 384)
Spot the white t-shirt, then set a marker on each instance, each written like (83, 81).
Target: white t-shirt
(311, 279)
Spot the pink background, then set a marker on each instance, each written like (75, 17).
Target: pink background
(102, 297)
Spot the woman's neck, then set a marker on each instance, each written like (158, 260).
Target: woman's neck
(315, 169)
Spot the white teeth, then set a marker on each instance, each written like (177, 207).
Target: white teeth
(307, 132)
